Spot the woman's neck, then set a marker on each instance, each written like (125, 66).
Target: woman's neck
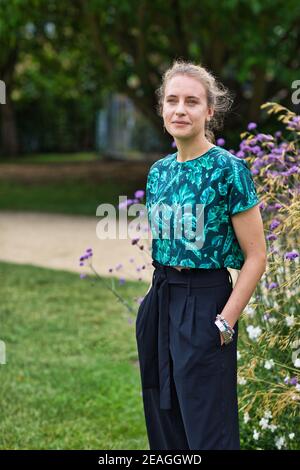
(187, 152)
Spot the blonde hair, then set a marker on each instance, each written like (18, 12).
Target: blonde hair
(218, 96)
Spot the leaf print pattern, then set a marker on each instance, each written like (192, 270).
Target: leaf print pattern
(218, 180)
(207, 196)
(242, 191)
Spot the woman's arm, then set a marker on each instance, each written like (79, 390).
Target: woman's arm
(249, 230)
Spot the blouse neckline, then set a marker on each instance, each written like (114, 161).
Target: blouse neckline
(205, 154)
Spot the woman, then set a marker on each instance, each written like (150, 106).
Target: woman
(187, 323)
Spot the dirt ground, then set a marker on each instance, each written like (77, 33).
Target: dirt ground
(57, 241)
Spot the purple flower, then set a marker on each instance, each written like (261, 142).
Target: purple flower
(252, 126)
(263, 137)
(274, 224)
(220, 142)
(294, 123)
(271, 237)
(126, 203)
(270, 145)
(122, 280)
(122, 205)
(272, 285)
(81, 263)
(139, 194)
(293, 169)
(293, 381)
(291, 255)
(134, 241)
(82, 276)
(240, 154)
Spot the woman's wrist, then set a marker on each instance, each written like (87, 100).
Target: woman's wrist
(226, 330)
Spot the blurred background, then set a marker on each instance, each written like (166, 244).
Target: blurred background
(79, 127)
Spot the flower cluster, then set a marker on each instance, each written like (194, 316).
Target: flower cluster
(270, 324)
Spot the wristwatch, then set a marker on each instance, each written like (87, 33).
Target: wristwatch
(226, 333)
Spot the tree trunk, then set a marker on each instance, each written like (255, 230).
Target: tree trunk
(9, 135)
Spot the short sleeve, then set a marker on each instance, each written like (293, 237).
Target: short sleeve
(242, 194)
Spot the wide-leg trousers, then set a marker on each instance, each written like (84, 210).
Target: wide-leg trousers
(188, 379)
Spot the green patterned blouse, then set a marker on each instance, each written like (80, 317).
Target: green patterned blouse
(189, 208)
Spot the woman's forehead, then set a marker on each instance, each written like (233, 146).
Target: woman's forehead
(186, 87)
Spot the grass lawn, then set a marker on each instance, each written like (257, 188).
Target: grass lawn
(70, 197)
(53, 158)
(71, 378)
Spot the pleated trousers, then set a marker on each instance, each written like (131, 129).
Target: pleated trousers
(188, 379)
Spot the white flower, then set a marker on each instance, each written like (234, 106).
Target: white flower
(242, 380)
(291, 435)
(297, 387)
(268, 414)
(256, 434)
(264, 423)
(272, 320)
(249, 311)
(272, 427)
(297, 362)
(280, 442)
(269, 364)
(253, 331)
(246, 417)
(290, 320)
(238, 355)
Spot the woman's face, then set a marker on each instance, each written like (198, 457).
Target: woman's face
(185, 100)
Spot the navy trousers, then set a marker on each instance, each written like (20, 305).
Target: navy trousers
(189, 381)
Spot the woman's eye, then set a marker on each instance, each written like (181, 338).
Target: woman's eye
(190, 102)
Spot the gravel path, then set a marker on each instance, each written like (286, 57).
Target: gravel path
(57, 241)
